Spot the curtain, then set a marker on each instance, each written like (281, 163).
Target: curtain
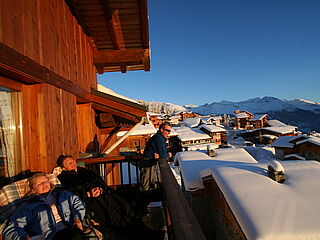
(10, 140)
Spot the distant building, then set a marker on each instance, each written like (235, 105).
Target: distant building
(297, 147)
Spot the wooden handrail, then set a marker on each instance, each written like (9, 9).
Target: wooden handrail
(184, 224)
(109, 159)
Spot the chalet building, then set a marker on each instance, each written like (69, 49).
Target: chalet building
(242, 118)
(217, 134)
(137, 139)
(268, 135)
(246, 120)
(214, 120)
(187, 137)
(156, 119)
(183, 115)
(300, 147)
(50, 53)
(259, 121)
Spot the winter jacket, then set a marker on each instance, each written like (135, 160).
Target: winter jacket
(34, 217)
(81, 181)
(156, 144)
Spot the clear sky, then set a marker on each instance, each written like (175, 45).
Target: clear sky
(212, 50)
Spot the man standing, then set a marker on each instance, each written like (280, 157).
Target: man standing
(156, 148)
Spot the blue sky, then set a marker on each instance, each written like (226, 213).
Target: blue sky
(212, 50)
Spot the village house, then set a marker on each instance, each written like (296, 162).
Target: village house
(215, 120)
(218, 134)
(268, 135)
(259, 121)
(301, 147)
(242, 119)
(183, 115)
(186, 137)
(137, 139)
(156, 119)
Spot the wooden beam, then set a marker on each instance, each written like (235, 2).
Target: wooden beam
(119, 57)
(109, 138)
(112, 21)
(115, 112)
(143, 5)
(21, 68)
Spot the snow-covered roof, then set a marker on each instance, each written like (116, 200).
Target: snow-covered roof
(212, 128)
(295, 156)
(192, 122)
(192, 163)
(269, 136)
(106, 90)
(314, 140)
(188, 134)
(141, 130)
(281, 130)
(283, 141)
(241, 115)
(275, 123)
(266, 209)
(258, 117)
(203, 147)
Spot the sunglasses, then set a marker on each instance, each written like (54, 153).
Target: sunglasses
(168, 130)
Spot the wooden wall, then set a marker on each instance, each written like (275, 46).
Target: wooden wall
(49, 127)
(87, 128)
(46, 32)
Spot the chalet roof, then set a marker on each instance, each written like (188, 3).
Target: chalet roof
(258, 117)
(212, 128)
(192, 163)
(275, 123)
(192, 122)
(188, 134)
(108, 91)
(119, 31)
(293, 155)
(141, 130)
(314, 140)
(282, 130)
(284, 142)
(241, 115)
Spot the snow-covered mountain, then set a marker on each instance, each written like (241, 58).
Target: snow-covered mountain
(161, 107)
(298, 112)
(258, 105)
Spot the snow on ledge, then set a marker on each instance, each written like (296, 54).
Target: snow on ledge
(266, 209)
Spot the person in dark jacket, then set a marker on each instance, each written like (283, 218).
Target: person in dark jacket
(50, 212)
(114, 215)
(156, 148)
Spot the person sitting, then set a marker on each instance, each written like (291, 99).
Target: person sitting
(49, 212)
(114, 214)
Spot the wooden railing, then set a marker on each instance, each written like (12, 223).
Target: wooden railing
(183, 223)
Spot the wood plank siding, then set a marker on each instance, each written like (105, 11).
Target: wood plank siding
(47, 52)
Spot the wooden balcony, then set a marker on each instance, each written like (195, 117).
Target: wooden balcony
(123, 173)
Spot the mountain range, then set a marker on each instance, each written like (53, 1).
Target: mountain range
(298, 112)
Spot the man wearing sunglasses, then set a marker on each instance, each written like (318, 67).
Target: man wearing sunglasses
(156, 148)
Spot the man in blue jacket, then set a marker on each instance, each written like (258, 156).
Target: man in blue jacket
(156, 148)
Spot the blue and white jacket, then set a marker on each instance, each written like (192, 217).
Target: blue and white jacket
(34, 217)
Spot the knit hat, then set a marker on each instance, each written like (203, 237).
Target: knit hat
(61, 158)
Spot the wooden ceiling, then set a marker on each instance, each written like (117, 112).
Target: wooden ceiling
(119, 30)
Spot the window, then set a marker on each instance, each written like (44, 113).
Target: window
(10, 133)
